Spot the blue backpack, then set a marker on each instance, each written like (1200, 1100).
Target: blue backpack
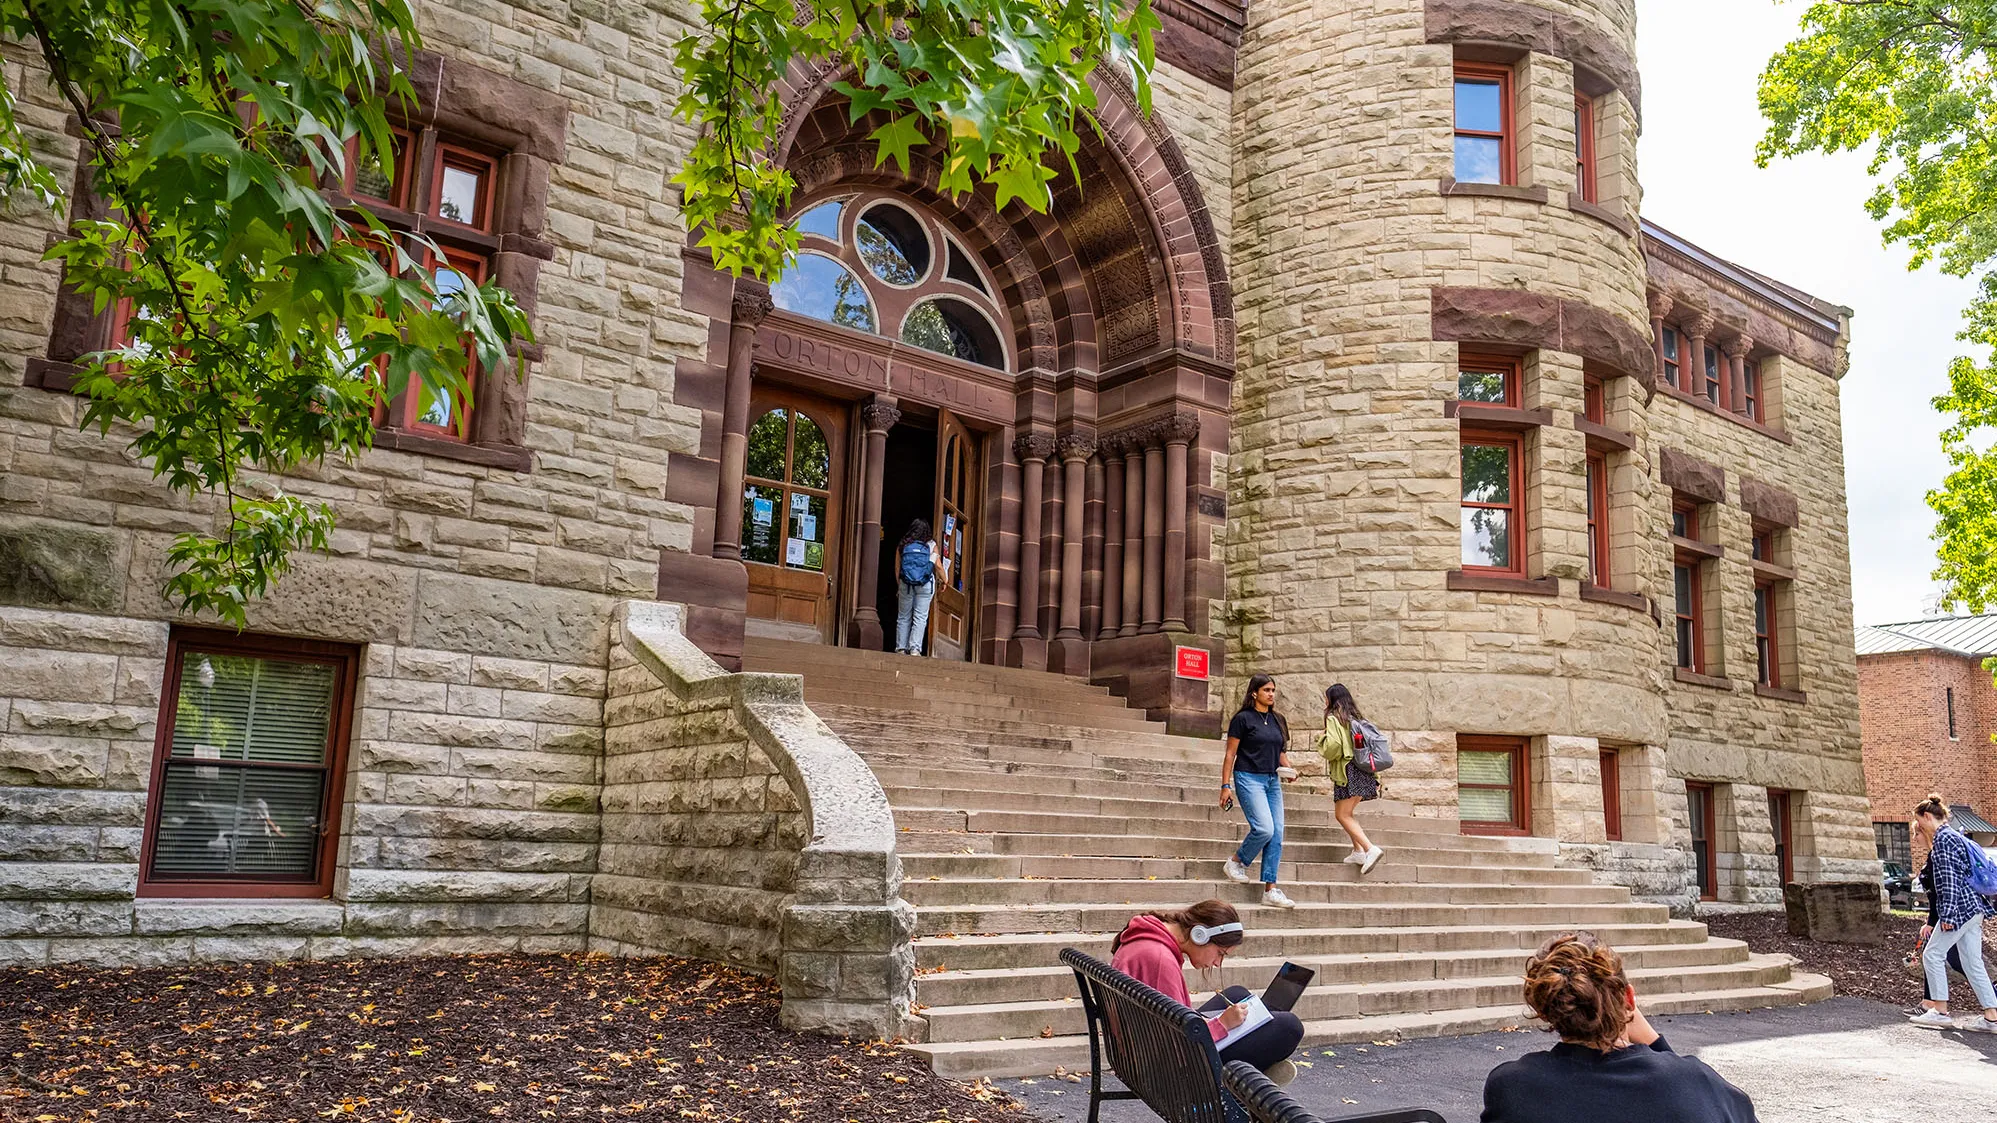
(1982, 871)
(916, 568)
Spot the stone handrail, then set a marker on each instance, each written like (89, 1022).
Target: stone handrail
(846, 964)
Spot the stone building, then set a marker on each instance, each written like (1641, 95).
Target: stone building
(1353, 361)
(1927, 715)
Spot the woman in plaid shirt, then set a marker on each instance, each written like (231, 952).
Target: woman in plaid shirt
(1959, 912)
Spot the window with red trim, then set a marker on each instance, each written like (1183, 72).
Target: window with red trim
(1767, 653)
(1715, 376)
(1780, 826)
(1488, 379)
(1761, 547)
(367, 179)
(1492, 785)
(1484, 141)
(247, 767)
(1688, 607)
(1584, 148)
(1493, 529)
(1671, 358)
(1612, 795)
(1598, 520)
(1751, 383)
(1594, 400)
(1699, 824)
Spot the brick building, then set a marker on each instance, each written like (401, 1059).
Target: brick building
(1354, 361)
(1927, 714)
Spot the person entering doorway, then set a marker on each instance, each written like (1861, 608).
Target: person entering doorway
(915, 582)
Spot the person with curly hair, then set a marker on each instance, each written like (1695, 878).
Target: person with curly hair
(1610, 1063)
(1958, 911)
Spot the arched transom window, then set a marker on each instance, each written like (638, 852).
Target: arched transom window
(880, 264)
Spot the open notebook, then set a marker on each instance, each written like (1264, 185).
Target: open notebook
(1258, 1016)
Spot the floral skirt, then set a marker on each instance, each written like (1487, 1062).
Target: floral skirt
(1358, 782)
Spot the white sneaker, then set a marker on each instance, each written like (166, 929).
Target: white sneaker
(1372, 859)
(1934, 1019)
(1978, 1024)
(1235, 871)
(1357, 856)
(1280, 1073)
(1276, 898)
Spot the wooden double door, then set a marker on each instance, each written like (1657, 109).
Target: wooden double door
(800, 512)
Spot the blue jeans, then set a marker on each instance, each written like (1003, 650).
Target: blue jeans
(912, 619)
(1261, 799)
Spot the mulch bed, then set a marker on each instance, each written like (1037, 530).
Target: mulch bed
(437, 1040)
(1855, 969)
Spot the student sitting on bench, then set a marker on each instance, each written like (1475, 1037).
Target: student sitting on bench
(1154, 948)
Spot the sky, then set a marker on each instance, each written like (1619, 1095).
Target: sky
(1803, 222)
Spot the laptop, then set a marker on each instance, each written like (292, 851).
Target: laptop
(1287, 986)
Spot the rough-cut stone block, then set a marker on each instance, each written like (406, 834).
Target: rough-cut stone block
(60, 565)
(1835, 912)
(510, 618)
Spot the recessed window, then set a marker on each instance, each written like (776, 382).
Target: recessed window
(1685, 598)
(1768, 666)
(1948, 698)
(1584, 149)
(1488, 379)
(1612, 795)
(1699, 824)
(1492, 531)
(1751, 387)
(463, 188)
(1594, 401)
(893, 244)
(1483, 124)
(953, 328)
(1598, 520)
(1671, 363)
(1713, 375)
(823, 289)
(822, 220)
(245, 791)
(1491, 785)
(369, 179)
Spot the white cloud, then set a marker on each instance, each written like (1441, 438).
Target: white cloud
(1803, 222)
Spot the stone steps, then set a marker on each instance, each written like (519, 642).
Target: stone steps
(1033, 1056)
(1035, 812)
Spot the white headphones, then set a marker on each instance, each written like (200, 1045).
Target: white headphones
(1202, 935)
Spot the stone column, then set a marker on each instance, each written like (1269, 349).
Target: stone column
(1032, 449)
(1092, 549)
(1180, 430)
(1068, 654)
(1154, 528)
(1660, 307)
(1053, 529)
(1737, 349)
(879, 415)
(1112, 539)
(1695, 381)
(750, 305)
(1132, 446)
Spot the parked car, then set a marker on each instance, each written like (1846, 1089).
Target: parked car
(1900, 885)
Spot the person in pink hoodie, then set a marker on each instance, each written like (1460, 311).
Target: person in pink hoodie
(1154, 949)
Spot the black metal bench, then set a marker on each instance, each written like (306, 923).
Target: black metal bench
(1164, 1055)
(1267, 1103)
(1161, 1051)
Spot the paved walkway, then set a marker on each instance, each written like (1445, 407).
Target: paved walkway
(1846, 1060)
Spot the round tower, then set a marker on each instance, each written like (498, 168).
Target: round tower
(1439, 493)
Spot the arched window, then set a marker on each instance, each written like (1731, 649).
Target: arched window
(784, 498)
(897, 270)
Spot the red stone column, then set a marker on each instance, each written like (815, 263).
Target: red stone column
(1052, 530)
(1112, 615)
(751, 304)
(1737, 349)
(1032, 449)
(1696, 329)
(1154, 529)
(1660, 307)
(1069, 652)
(864, 632)
(1092, 549)
(1180, 430)
(1130, 618)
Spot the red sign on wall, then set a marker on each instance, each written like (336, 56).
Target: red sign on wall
(1192, 662)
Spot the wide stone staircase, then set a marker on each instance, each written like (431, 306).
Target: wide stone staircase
(1036, 812)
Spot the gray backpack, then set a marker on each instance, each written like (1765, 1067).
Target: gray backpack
(1369, 747)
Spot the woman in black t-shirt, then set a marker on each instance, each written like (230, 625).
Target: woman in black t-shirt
(1258, 743)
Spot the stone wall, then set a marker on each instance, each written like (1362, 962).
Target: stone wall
(737, 827)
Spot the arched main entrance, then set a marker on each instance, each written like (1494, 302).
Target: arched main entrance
(1050, 391)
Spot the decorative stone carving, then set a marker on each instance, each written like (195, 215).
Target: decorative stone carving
(1738, 346)
(1660, 304)
(751, 303)
(1076, 446)
(1033, 446)
(1700, 326)
(880, 415)
(1179, 427)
